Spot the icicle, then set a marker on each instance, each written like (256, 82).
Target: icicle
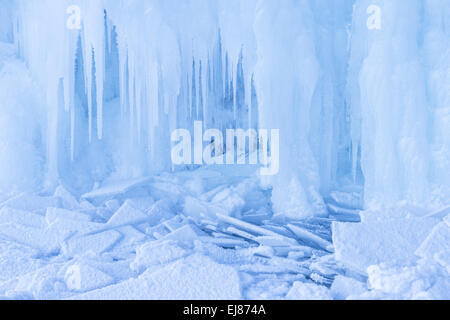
(123, 61)
(200, 110)
(72, 133)
(194, 110)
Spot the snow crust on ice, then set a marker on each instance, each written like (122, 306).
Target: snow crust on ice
(192, 278)
(403, 258)
(392, 241)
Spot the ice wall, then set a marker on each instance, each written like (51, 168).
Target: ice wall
(394, 104)
(285, 81)
(355, 105)
(6, 21)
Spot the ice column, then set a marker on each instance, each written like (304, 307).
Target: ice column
(285, 79)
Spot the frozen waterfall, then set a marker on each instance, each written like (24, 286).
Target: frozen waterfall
(359, 89)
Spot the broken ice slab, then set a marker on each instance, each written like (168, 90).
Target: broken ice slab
(219, 234)
(100, 213)
(323, 269)
(294, 251)
(199, 209)
(210, 194)
(112, 205)
(440, 214)
(443, 258)
(33, 203)
(142, 203)
(109, 191)
(260, 251)
(161, 211)
(360, 245)
(53, 214)
(437, 241)
(229, 201)
(225, 242)
(310, 238)
(130, 235)
(193, 278)
(321, 279)
(240, 233)
(342, 214)
(96, 243)
(276, 241)
(40, 283)
(268, 225)
(65, 228)
(157, 232)
(302, 253)
(320, 230)
(257, 217)
(346, 199)
(186, 234)
(81, 277)
(15, 260)
(276, 265)
(8, 215)
(209, 228)
(42, 239)
(126, 215)
(68, 201)
(175, 223)
(166, 190)
(247, 226)
(156, 253)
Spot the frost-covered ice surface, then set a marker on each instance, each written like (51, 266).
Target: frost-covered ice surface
(91, 206)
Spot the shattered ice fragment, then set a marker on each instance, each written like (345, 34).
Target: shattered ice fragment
(109, 191)
(186, 234)
(68, 201)
(112, 205)
(310, 238)
(156, 253)
(225, 242)
(127, 215)
(273, 241)
(34, 203)
(96, 243)
(56, 213)
(82, 278)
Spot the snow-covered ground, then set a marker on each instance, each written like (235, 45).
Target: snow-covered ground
(208, 234)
